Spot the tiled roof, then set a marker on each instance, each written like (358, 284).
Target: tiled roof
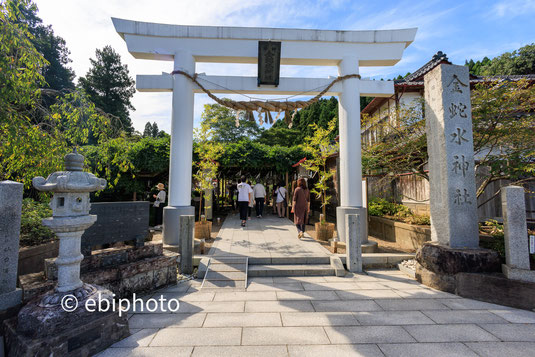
(473, 80)
(511, 77)
(437, 59)
(416, 79)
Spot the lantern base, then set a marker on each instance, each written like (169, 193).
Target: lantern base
(54, 325)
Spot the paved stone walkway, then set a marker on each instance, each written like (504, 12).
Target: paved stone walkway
(380, 313)
(269, 236)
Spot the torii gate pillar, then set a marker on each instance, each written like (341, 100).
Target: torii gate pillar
(350, 154)
(180, 156)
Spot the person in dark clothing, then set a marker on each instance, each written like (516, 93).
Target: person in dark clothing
(300, 206)
(158, 205)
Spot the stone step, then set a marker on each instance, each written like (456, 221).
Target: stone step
(288, 260)
(382, 260)
(226, 273)
(226, 267)
(290, 270)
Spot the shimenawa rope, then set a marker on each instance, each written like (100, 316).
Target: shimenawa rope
(265, 107)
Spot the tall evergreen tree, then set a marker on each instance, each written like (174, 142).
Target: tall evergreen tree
(148, 130)
(155, 130)
(110, 86)
(57, 73)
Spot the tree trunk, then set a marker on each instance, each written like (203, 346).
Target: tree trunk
(200, 205)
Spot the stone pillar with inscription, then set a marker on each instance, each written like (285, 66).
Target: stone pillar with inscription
(10, 216)
(454, 221)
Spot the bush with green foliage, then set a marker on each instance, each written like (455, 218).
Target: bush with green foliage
(383, 208)
(250, 156)
(495, 229)
(32, 231)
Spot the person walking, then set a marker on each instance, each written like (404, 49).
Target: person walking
(260, 197)
(232, 196)
(245, 196)
(281, 200)
(251, 203)
(307, 215)
(274, 198)
(300, 206)
(158, 205)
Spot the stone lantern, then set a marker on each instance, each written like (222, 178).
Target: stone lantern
(70, 216)
(58, 322)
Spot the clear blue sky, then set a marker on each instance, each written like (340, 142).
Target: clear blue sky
(461, 29)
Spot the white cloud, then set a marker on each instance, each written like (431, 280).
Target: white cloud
(512, 8)
(86, 26)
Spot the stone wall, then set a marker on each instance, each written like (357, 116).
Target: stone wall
(117, 222)
(122, 270)
(32, 259)
(407, 236)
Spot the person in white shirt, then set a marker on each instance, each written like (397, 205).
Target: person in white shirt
(259, 192)
(281, 200)
(245, 197)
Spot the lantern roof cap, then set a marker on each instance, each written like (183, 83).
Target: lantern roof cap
(73, 179)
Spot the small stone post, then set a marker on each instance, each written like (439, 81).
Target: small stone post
(187, 223)
(516, 234)
(453, 201)
(353, 244)
(10, 214)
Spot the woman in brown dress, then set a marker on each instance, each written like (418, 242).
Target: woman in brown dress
(300, 206)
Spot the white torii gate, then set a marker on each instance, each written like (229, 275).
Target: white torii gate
(186, 45)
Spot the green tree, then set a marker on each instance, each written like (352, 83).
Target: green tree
(320, 112)
(279, 135)
(148, 130)
(155, 131)
(476, 68)
(521, 61)
(109, 85)
(223, 122)
(33, 139)
(319, 148)
(504, 131)
(21, 67)
(57, 73)
(208, 151)
(503, 122)
(133, 162)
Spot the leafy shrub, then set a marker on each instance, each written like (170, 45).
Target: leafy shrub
(422, 220)
(32, 231)
(495, 229)
(383, 208)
